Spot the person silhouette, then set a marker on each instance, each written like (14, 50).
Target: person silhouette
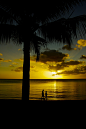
(43, 93)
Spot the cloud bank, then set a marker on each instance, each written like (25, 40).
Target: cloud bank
(51, 56)
(64, 65)
(81, 43)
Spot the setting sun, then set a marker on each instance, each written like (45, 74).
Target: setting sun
(53, 72)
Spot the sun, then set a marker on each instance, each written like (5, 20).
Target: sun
(53, 72)
(59, 71)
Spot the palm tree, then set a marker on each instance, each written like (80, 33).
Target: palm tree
(22, 22)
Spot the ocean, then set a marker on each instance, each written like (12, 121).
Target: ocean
(56, 89)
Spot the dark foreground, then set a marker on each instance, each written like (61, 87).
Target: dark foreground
(16, 100)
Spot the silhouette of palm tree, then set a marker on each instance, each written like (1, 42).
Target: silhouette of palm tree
(20, 22)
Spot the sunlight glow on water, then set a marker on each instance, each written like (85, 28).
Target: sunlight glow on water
(56, 89)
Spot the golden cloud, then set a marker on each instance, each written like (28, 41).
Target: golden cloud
(1, 54)
(18, 60)
(1, 59)
(7, 61)
(81, 43)
(18, 69)
(19, 49)
(11, 65)
(21, 59)
(14, 63)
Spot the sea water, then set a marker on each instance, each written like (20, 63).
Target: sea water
(56, 89)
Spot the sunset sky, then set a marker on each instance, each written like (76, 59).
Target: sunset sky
(57, 61)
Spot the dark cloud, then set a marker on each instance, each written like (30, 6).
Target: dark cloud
(74, 72)
(51, 56)
(1, 59)
(83, 57)
(67, 47)
(18, 69)
(55, 68)
(83, 68)
(32, 66)
(72, 62)
(63, 65)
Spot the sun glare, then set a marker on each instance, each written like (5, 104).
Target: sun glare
(59, 71)
(53, 72)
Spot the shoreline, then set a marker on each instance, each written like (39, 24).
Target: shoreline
(40, 100)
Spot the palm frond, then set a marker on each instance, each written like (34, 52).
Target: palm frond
(5, 17)
(16, 33)
(40, 11)
(6, 32)
(63, 30)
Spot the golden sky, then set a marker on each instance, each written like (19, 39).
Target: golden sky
(55, 62)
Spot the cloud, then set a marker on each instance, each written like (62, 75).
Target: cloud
(32, 66)
(7, 61)
(19, 49)
(35, 70)
(72, 62)
(14, 63)
(1, 59)
(1, 54)
(18, 60)
(81, 43)
(55, 68)
(51, 56)
(83, 57)
(11, 65)
(67, 47)
(74, 72)
(21, 59)
(18, 69)
(64, 65)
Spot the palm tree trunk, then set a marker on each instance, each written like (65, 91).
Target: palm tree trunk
(26, 71)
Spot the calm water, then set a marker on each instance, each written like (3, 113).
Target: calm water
(56, 89)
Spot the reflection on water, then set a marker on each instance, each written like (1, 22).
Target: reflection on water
(10, 89)
(56, 89)
(59, 89)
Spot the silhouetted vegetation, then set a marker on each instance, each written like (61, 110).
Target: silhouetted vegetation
(20, 22)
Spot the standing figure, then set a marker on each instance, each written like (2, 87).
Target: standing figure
(46, 94)
(43, 93)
